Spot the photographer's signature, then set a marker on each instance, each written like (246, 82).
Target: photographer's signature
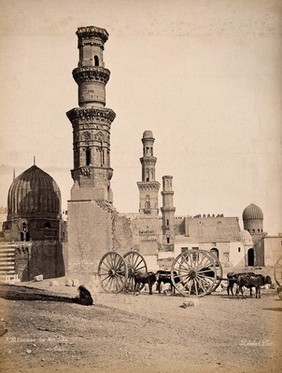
(256, 342)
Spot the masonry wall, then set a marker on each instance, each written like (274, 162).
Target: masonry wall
(39, 258)
(89, 236)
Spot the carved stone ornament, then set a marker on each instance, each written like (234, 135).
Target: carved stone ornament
(110, 173)
(85, 171)
(99, 136)
(81, 115)
(86, 136)
(91, 74)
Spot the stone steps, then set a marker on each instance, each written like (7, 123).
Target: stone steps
(7, 264)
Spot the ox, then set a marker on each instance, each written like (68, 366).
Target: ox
(250, 281)
(232, 278)
(164, 276)
(142, 279)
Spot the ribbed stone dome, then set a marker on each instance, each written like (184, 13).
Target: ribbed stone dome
(34, 193)
(252, 212)
(147, 134)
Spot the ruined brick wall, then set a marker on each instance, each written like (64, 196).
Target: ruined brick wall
(123, 232)
(89, 236)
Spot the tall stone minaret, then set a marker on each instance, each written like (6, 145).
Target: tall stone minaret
(168, 211)
(91, 121)
(148, 187)
(90, 209)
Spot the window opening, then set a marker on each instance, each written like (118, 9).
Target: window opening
(96, 60)
(88, 156)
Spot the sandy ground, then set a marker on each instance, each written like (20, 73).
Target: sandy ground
(44, 332)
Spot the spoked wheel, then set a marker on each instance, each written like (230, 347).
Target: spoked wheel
(194, 273)
(278, 272)
(112, 271)
(135, 263)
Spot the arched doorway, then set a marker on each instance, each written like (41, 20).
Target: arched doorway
(215, 251)
(251, 257)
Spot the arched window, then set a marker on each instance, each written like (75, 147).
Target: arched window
(88, 156)
(47, 225)
(167, 240)
(167, 222)
(96, 60)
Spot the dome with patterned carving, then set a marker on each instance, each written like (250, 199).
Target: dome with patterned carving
(252, 212)
(34, 193)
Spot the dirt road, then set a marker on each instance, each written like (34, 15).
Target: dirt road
(126, 333)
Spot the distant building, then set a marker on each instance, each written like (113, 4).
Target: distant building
(32, 234)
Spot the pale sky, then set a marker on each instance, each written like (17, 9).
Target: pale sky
(203, 75)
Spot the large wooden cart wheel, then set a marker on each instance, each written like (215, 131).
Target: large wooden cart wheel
(112, 271)
(135, 263)
(194, 272)
(278, 272)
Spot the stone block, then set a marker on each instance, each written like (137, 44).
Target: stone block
(75, 283)
(38, 278)
(191, 303)
(68, 282)
(54, 283)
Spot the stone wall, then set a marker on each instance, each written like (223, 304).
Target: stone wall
(90, 236)
(39, 258)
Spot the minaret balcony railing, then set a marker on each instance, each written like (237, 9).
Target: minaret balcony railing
(91, 74)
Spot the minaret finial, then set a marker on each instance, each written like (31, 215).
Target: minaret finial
(14, 174)
(34, 160)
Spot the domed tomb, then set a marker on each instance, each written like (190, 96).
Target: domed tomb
(253, 219)
(252, 212)
(34, 206)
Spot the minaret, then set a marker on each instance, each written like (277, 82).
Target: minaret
(90, 209)
(91, 121)
(168, 211)
(148, 187)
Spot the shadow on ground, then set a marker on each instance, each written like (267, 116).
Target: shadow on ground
(15, 292)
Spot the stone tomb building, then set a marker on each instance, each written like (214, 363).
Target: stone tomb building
(34, 234)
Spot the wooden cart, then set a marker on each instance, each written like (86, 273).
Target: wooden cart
(194, 272)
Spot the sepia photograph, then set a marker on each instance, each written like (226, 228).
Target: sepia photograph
(140, 186)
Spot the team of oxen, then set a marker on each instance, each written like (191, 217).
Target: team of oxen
(241, 280)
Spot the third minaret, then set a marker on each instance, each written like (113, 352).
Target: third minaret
(168, 211)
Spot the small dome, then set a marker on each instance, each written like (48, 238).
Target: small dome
(147, 134)
(246, 237)
(252, 212)
(34, 193)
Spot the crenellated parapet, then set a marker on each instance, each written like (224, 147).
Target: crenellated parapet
(90, 33)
